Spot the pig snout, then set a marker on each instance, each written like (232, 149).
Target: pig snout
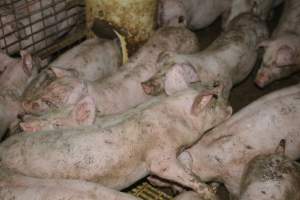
(262, 79)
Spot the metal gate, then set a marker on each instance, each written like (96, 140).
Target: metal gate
(38, 25)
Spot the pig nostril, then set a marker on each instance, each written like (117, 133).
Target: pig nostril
(180, 19)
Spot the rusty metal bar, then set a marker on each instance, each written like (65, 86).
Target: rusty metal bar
(35, 24)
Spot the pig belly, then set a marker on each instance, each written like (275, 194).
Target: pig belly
(92, 156)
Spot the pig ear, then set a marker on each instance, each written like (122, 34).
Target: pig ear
(281, 147)
(27, 62)
(263, 44)
(59, 72)
(85, 111)
(201, 101)
(285, 56)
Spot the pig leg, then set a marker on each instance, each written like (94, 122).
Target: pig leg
(170, 169)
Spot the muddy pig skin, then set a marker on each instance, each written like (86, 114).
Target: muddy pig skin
(223, 153)
(271, 177)
(91, 60)
(24, 188)
(123, 152)
(194, 14)
(227, 61)
(122, 90)
(259, 8)
(282, 50)
(16, 74)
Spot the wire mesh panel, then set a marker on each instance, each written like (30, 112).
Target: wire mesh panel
(35, 25)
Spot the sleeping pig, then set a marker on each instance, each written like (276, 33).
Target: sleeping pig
(281, 57)
(122, 90)
(15, 76)
(125, 150)
(227, 61)
(223, 153)
(194, 14)
(259, 8)
(272, 176)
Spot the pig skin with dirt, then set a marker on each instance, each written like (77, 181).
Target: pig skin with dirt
(227, 61)
(124, 151)
(18, 187)
(15, 76)
(197, 14)
(91, 60)
(122, 90)
(282, 51)
(194, 14)
(223, 153)
(259, 8)
(273, 176)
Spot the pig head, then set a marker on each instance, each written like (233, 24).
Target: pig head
(281, 59)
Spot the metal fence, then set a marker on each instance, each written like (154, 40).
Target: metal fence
(37, 25)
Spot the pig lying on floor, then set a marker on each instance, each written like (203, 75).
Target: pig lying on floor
(223, 153)
(122, 90)
(18, 187)
(197, 14)
(126, 149)
(194, 14)
(282, 51)
(272, 176)
(227, 61)
(15, 76)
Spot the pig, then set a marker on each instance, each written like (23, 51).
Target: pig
(227, 61)
(282, 50)
(125, 150)
(223, 153)
(260, 8)
(194, 14)
(39, 24)
(16, 75)
(122, 90)
(273, 176)
(19, 187)
(91, 60)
